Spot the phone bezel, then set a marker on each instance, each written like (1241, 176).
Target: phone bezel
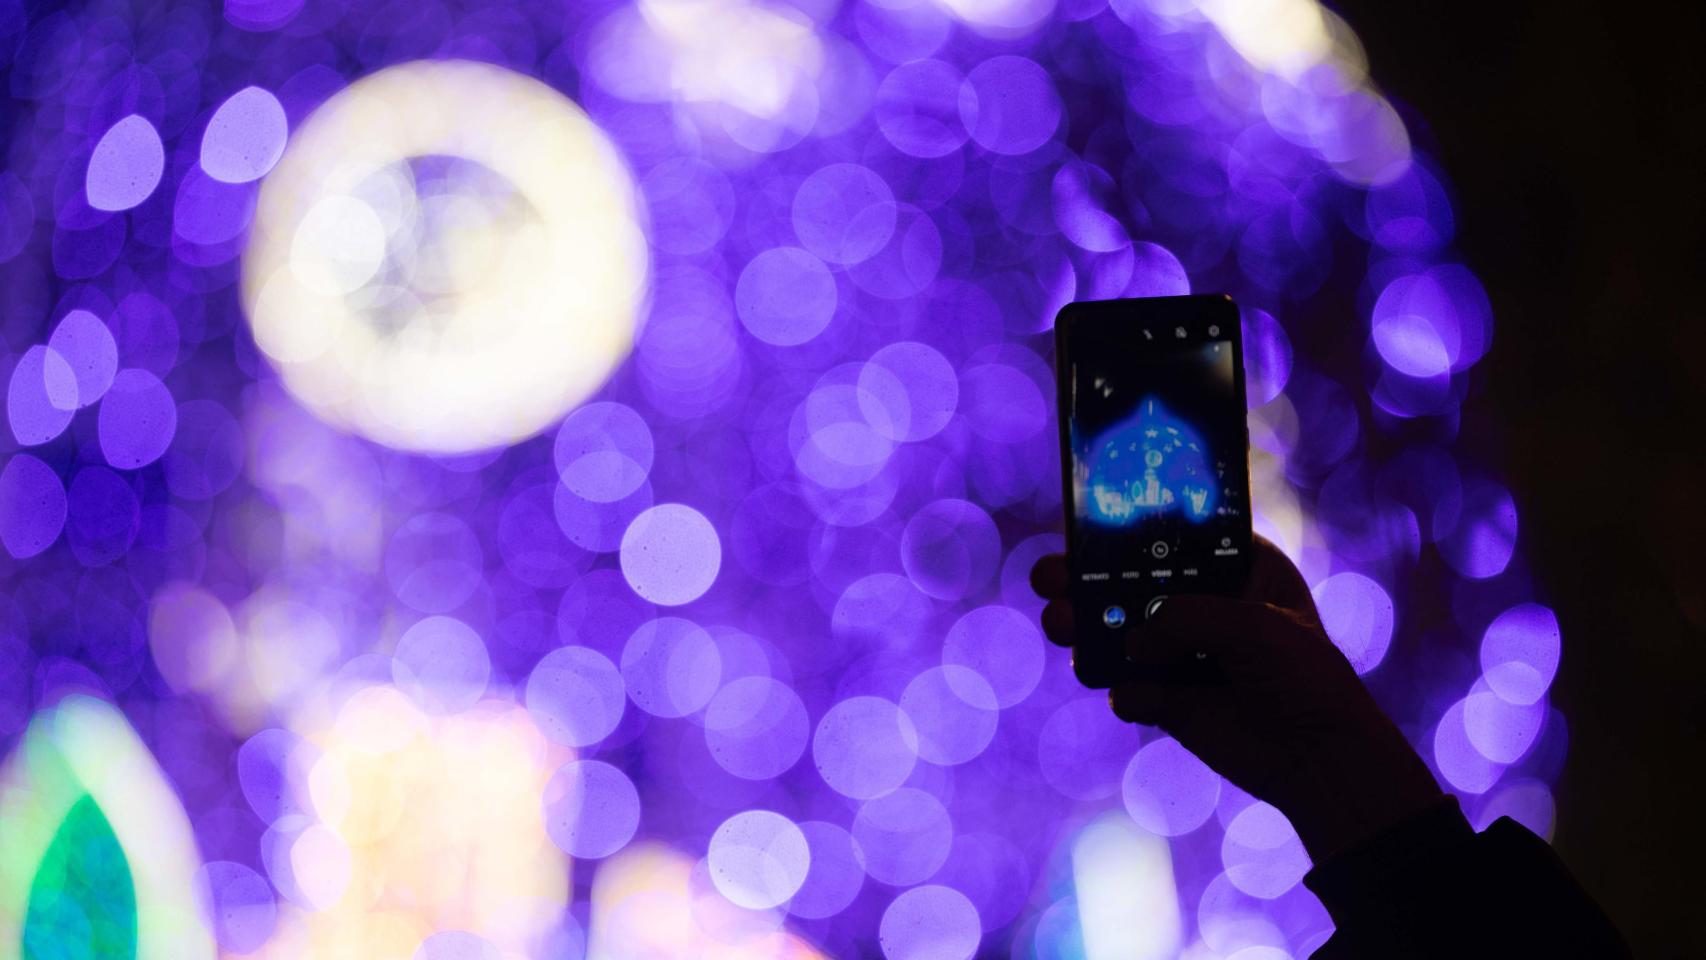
(1095, 665)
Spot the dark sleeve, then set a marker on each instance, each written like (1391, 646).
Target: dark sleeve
(1433, 887)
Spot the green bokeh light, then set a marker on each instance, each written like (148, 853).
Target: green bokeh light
(82, 902)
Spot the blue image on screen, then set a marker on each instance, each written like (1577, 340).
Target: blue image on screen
(1148, 465)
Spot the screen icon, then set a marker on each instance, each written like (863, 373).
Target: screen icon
(1179, 332)
(1214, 330)
(1158, 549)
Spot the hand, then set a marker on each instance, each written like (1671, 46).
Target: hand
(1287, 718)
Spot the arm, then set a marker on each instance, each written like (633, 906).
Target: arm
(1288, 720)
(1429, 886)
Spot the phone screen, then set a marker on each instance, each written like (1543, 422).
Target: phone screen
(1155, 452)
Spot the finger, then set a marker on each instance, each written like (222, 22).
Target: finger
(1049, 576)
(1058, 624)
(1093, 669)
(1275, 579)
(1151, 704)
(1237, 634)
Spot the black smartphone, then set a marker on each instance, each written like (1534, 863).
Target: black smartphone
(1154, 453)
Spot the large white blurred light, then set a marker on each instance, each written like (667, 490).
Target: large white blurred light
(1127, 901)
(446, 259)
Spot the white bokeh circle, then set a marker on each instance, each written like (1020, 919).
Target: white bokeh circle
(447, 258)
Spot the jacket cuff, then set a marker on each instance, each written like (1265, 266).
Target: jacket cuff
(1372, 877)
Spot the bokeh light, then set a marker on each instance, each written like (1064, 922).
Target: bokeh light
(758, 859)
(83, 341)
(756, 728)
(32, 506)
(865, 747)
(1358, 616)
(833, 875)
(1519, 653)
(434, 282)
(441, 663)
(576, 696)
(98, 853)
(41, 397)
(954, 711)
(1262, 854)
(245, 137)
(1123, 880)
(930, 923)
(126, 165)
(239, 903)
(671, 666)
(137, 420)
(903, 837)
(671, 554)
(1167, 790)
(591, 809)
(561, 480)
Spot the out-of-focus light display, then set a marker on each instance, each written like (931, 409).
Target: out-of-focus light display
(1357, 614)
(1167, 790)
(445, 258)
(651, 901)
(758, 859)
(1127, 902)
(245, 137)
(930, 922)
(126, 164)
(393, 823)
(560, 481)
(97, 858)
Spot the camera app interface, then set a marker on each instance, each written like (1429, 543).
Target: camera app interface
(1158, 460)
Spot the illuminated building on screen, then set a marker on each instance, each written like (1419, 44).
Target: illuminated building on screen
(1151, 463)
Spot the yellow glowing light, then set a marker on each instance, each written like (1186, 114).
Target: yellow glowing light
(1280, 516)
(83, 747)
(192, 637)
(648, 901)
(280, 652)
(447, 258)
(1285, 36)
(425, 824)
(743, 54)
(1316, 91)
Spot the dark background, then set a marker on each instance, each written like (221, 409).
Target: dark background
(1572, 136)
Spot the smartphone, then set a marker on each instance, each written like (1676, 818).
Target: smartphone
(1154, 453)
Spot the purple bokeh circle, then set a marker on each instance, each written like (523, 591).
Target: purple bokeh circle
(1167, 790)
(591, 809)
(138, 419)
(32, 506)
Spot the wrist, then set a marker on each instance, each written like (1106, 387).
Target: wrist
(1348, 792)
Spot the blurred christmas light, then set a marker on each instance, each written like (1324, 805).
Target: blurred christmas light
(465, 439)
(97, 858)
(445, 258)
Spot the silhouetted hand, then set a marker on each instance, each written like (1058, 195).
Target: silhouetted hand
(1285, 716)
